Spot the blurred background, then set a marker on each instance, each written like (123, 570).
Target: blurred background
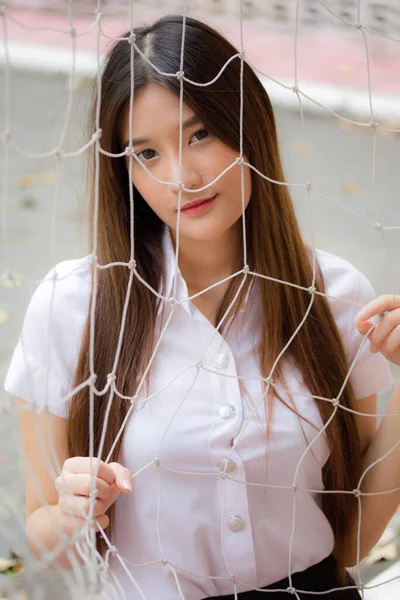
(346, 78)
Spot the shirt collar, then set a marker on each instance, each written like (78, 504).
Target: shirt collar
(170, 267)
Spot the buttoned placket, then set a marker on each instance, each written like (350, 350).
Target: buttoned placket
(235, 525)
(228, 418)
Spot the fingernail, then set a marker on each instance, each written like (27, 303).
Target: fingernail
(127, 484)
(357, 317)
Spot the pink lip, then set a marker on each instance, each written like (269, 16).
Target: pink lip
(199, 206)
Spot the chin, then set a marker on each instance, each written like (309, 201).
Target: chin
(206, 233)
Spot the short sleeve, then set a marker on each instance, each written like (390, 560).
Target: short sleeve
(44, 361)
(348, 290)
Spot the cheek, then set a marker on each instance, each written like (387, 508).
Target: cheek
(248, 184)
(237, 184)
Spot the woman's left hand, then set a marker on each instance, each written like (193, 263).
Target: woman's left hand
(385, 337)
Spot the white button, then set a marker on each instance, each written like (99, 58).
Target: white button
(221, 361)
(227, 411)
(235, 523)
(230, 465)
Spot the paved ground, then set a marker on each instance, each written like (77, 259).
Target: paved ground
(340, 166)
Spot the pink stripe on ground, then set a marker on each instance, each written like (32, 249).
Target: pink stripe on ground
(325, 57)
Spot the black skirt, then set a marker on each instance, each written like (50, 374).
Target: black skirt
(321, 577)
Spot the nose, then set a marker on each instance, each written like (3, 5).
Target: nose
(190, 176)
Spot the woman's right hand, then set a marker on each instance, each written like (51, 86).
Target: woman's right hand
(111, 480)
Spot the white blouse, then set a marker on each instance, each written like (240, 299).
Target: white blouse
(196, 519)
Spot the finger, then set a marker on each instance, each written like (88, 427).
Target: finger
(378, 306)
(391, 347)
(71, 525)
(364, 326)
(81, 464)
(103, 521)
(80, 483)
(386, 325)
(123, 477)
(79, 506)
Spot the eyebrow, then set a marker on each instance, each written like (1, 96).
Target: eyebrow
(194, 120)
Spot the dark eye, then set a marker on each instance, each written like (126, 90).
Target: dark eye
(146, 154)
(201, 134)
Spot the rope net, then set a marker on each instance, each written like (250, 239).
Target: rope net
(100, 578)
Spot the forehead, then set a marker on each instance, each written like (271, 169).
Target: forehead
(155, 109)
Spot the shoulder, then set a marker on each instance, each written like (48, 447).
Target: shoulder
(44, 361)
(347, 290)
(343, 281)
(66, 285)
(69, 272)
(59, 305)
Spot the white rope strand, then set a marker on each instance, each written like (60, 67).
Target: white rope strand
(110, 574)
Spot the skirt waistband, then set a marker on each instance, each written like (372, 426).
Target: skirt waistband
(321, 577)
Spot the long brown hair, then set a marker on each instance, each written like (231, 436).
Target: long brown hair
(275, 248)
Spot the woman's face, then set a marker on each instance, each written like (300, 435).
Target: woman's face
(155, 133)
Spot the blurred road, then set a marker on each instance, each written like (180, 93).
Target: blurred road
(335, 158)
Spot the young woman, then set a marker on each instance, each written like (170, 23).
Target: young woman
(245, 428)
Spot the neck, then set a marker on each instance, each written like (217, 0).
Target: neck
(203, 263)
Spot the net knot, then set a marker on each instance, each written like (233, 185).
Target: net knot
(180, 75)
(199, 364)
(290, 590)
(358, 25)
(97, 13)
(111, 377)
(246, 269)
(268, 380)
(132, 38)
(129, 151)
(307, 186)
(378, 226)
(180, 185)
(239, 160)
(92, 379)
(132, 264)
(164, 561)
(112, 550)
(134, 399)
(172, 302)
(335, 401)
(92, 259)
(72, 32)
(242, 55)
(97, 135)
(223, 474)
(295, 88)
(294, 487)
(373, 124)
(356, 493)
(93, 494)
(59, 155)
(7, 135)
(360, 587)
(312, 289)
(156, 462)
